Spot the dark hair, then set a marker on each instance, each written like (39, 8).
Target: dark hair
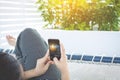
(9, 67)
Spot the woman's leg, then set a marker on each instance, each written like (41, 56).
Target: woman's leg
(29, 47)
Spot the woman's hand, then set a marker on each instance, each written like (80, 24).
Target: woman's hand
(43, 64)
(62, 64)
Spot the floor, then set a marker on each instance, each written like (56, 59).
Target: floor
(86, 71)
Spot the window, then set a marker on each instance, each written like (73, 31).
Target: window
(15, 15)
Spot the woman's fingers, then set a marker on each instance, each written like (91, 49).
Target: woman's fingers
(47, 53)
(62, 50)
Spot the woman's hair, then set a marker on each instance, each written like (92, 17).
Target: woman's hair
(9, 67)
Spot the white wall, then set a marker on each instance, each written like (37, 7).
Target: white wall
(87, 42)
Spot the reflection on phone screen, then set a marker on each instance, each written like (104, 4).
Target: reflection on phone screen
(54, 48)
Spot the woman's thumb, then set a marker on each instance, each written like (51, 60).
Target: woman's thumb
(48, 64)
(55, 60)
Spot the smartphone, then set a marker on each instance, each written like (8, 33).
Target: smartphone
(54, 48)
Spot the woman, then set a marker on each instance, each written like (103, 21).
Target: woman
(11, 69)
(30, 47)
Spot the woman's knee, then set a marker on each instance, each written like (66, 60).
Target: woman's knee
(29, 32)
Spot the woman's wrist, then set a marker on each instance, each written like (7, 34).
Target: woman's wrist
(37, 72)
(30, 74)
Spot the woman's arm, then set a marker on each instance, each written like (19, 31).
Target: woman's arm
(63, 68)
(62, 65)
(27, 74)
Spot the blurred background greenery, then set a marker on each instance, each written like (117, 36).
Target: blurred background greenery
(102, 15)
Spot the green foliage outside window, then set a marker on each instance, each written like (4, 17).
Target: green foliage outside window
(81, 14)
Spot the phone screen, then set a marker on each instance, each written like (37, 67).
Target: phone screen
(54, 48)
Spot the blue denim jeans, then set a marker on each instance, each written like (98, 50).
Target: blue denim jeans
(29, 47)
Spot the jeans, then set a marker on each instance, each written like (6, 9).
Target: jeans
(29, 47)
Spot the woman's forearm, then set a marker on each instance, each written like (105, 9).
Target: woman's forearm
(65, 74)
(29, 74)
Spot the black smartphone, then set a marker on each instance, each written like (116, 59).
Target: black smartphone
(54, 48)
